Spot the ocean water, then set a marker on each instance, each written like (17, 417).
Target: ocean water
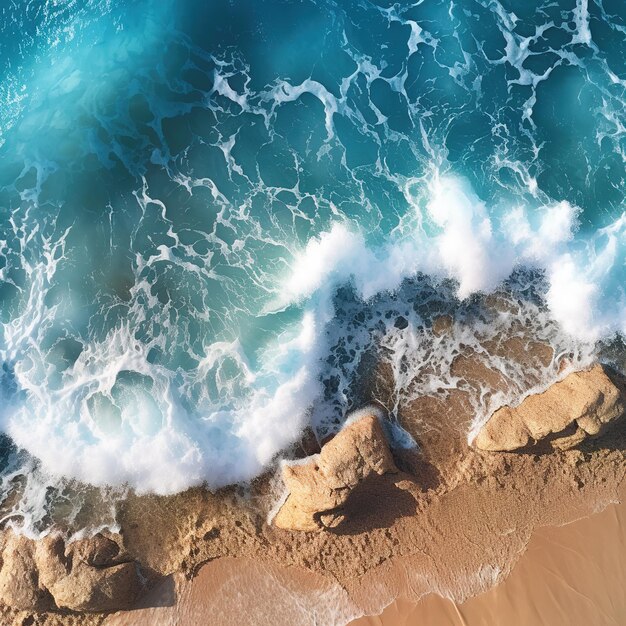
(212, 212)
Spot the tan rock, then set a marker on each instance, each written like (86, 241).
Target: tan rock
(19, 579)
(50, 560)
(98, 550)
(319, 485)
(86, 575)
(585, 401)
(97, 589)
(442, 325)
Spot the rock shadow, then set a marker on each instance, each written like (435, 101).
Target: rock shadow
(423, 473)
(614, 438)
(161, 593)
(376, 503)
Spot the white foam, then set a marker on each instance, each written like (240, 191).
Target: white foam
(95, 427)
(154, 446)
(459, 238)
(581, 19)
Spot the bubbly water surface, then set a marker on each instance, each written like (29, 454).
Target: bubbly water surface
(210, 211)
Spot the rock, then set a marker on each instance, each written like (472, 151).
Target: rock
(98, 550)
(19, 578)
(357, 451)
(319, 485)
(579, 406)
(97, 589)
(89, 575)
(50, 560)
(442, 325)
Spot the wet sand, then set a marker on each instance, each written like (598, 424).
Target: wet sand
(493, 533)
(455, 521)
(571, 575)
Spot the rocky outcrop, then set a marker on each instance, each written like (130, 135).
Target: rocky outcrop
(320, 485)
(579, 406)
(90, 575)
(19, 577)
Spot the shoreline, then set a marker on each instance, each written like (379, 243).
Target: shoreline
(452, 520)
(570, 574)
(312, 313)
(525, 596)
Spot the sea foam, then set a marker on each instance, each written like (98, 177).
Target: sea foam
(212, 237)
(116, 418)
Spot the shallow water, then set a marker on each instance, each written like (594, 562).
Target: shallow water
(209, 212)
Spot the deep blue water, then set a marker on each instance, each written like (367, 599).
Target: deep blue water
(185, 185)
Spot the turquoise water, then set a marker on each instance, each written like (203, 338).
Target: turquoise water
(209, 211)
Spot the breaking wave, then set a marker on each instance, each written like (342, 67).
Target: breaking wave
(212, 216)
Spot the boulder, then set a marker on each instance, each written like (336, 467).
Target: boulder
(569, 411)
(89, 575)
(19, 578)
(319, 485)
(50, 562)
(98, 551)
(97, 589)
(442, 325)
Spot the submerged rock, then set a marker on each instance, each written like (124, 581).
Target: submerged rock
(442, 325)
(89, 575)
(569, 411)
(320, 485)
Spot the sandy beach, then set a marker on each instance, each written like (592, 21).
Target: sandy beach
(494, 533)
(572, 574)
(486, 530)
(530, 538)
(312, 313)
